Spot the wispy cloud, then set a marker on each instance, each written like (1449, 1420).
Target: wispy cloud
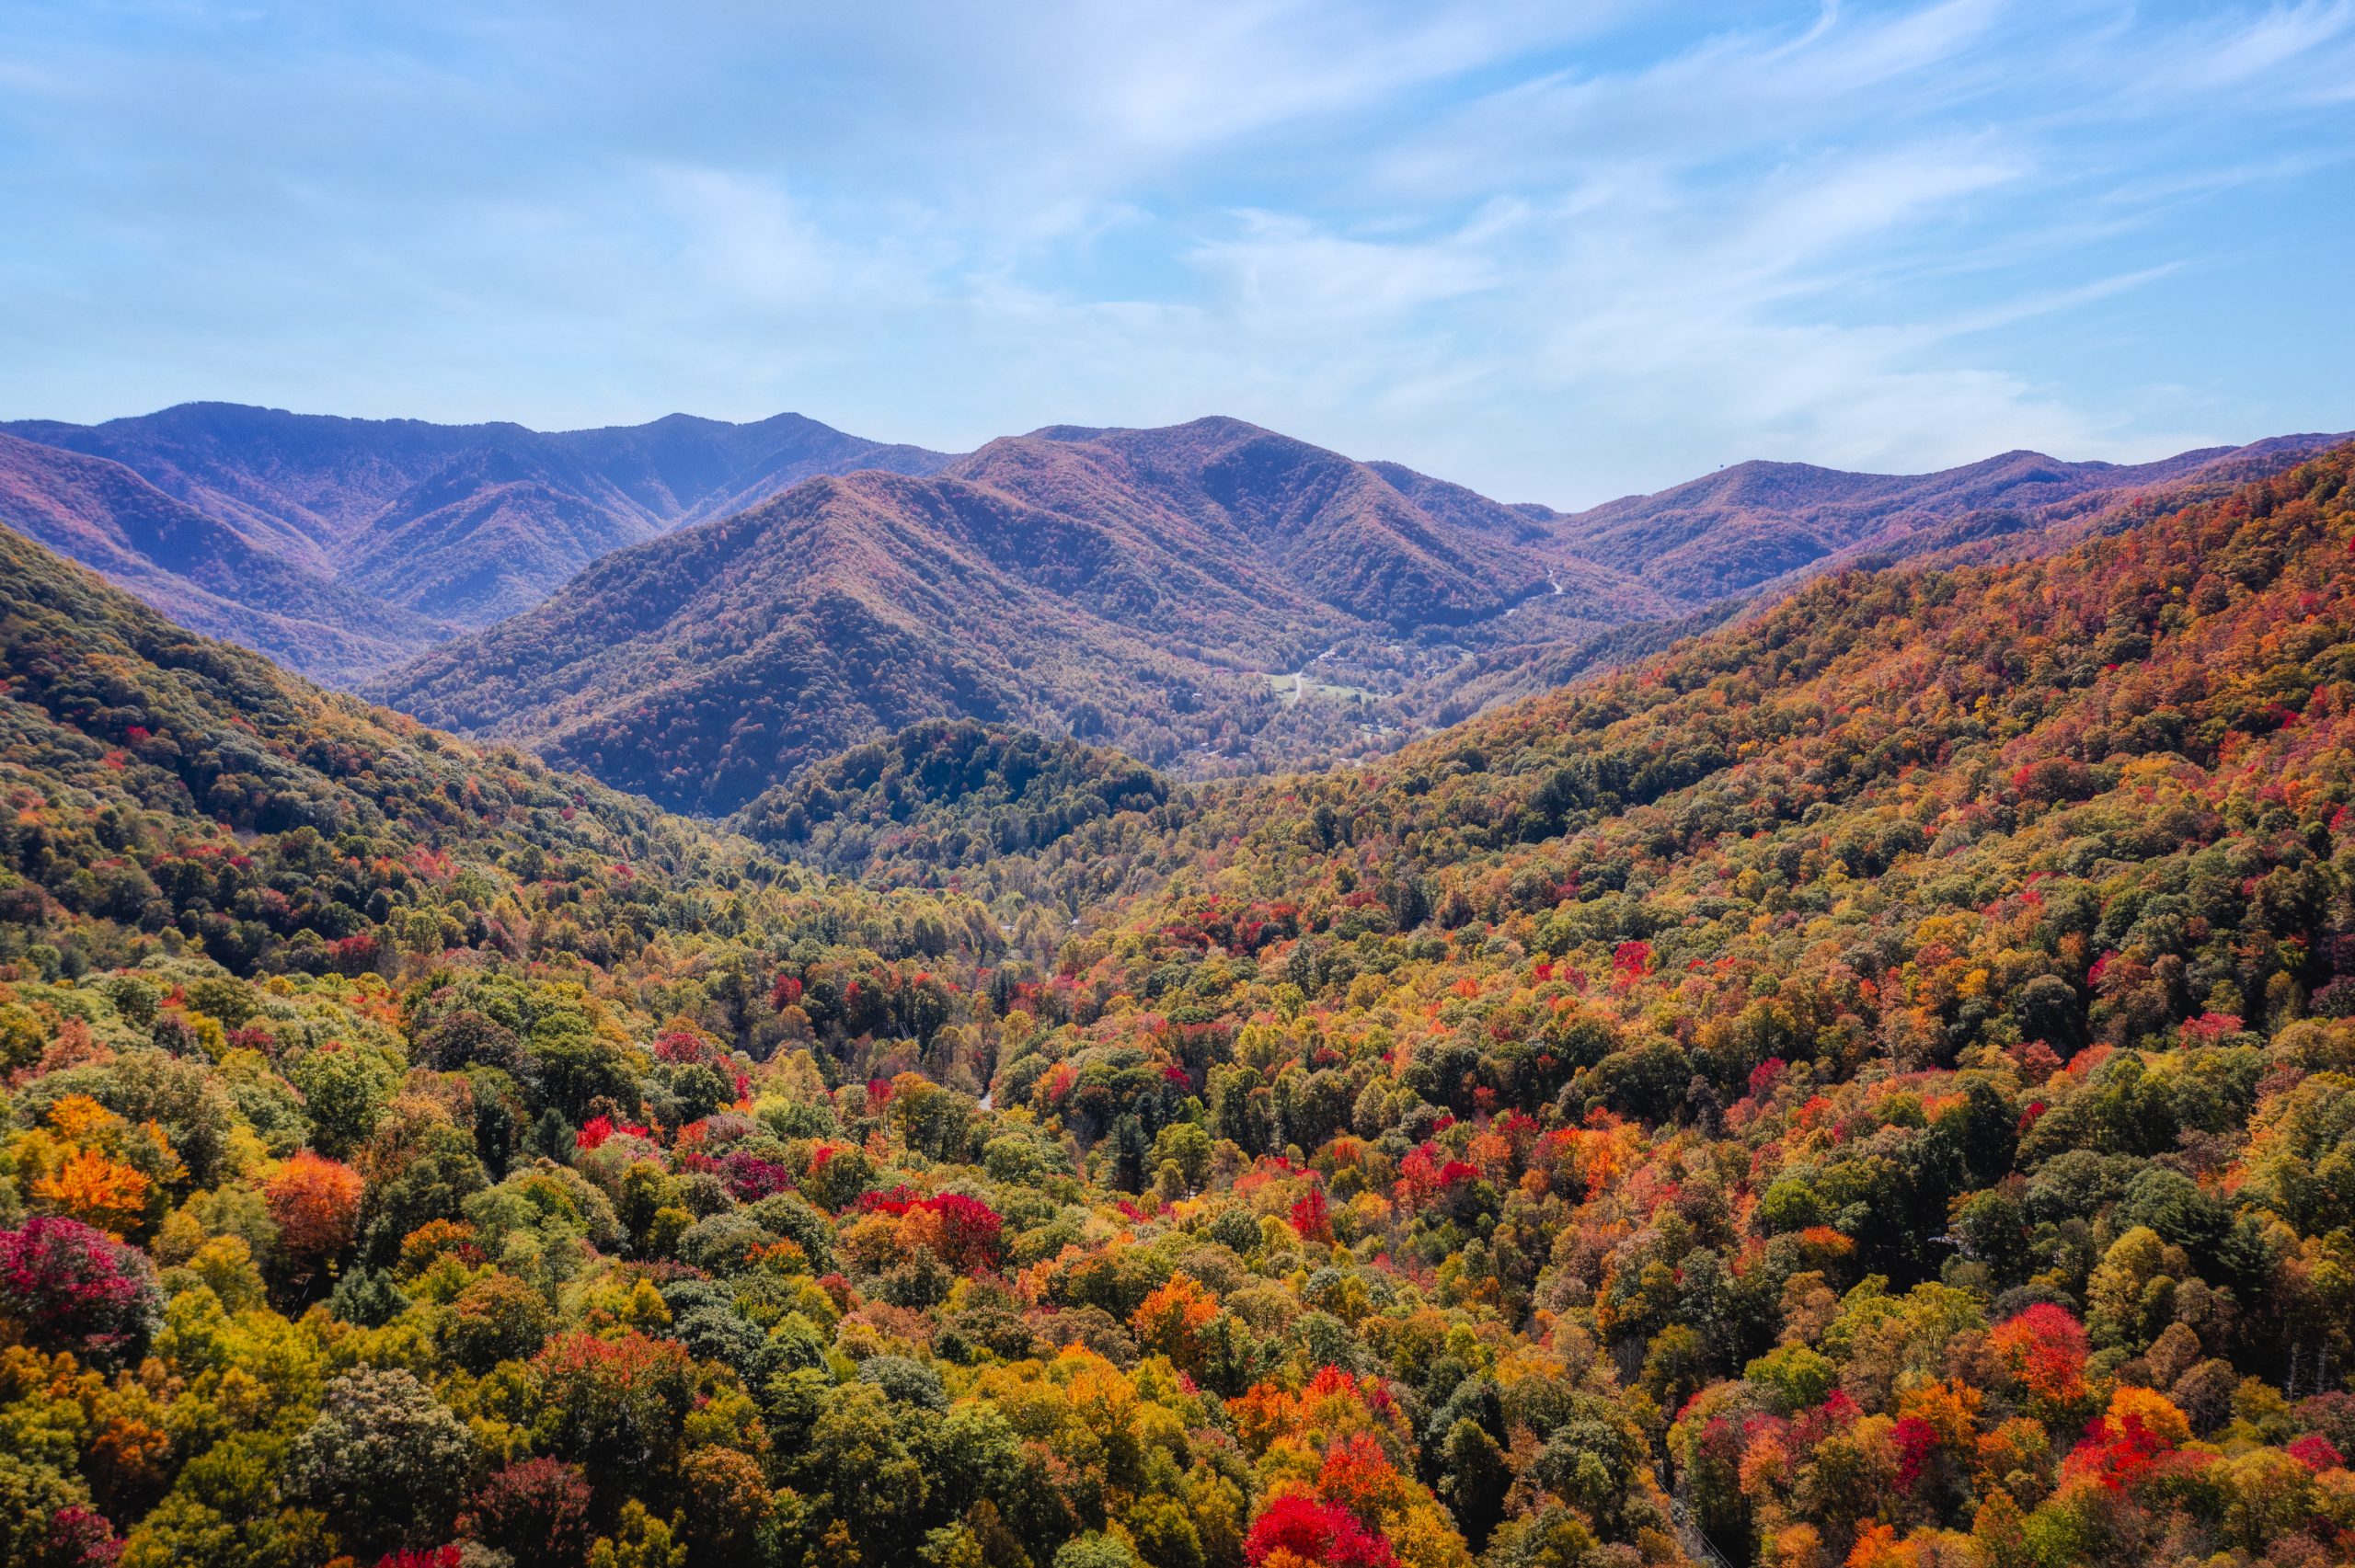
(1557, 251)
(2290, 52)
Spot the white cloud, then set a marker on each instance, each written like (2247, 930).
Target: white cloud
(1731, 95)
(2288, 53)
(1281, 273)
(1553, 250)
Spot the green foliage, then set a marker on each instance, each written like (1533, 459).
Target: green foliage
(947, 795)
(385, 1460)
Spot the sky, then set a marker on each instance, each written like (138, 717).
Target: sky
(1558, 251)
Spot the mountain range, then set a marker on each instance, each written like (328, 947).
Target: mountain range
(1133, 587)
(446, 527)
(1754, 523)
(1209, 597)
(696, 609)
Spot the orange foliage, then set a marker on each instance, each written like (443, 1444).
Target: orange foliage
(316, 1203)
(77, 1117)
(1171, 1319)
(1358, 1475)
(1331, 1405)
(96, 1190)
(1878, 1547)
(1951, 1409)
(2047, 1350)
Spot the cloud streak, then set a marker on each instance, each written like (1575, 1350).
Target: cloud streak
(1559, 256)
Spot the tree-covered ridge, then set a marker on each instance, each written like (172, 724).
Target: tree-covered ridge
(1869, 1087)
(946, 797)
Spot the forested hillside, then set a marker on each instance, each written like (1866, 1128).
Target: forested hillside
(1906, 1037)
(1873, 1084)
(944, 797)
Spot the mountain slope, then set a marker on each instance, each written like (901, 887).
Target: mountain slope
(1133, 587)
(487, 536)
(1290, 515)
(460, 524)
(206, 573)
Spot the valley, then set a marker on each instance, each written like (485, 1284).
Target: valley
(1541, 785)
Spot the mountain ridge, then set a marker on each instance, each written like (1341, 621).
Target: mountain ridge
(1751, 523)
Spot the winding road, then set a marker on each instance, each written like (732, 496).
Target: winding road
(1550, 582)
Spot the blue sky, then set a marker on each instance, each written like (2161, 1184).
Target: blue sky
(1557, 251)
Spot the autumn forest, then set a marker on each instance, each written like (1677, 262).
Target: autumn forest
(1865, 1076)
